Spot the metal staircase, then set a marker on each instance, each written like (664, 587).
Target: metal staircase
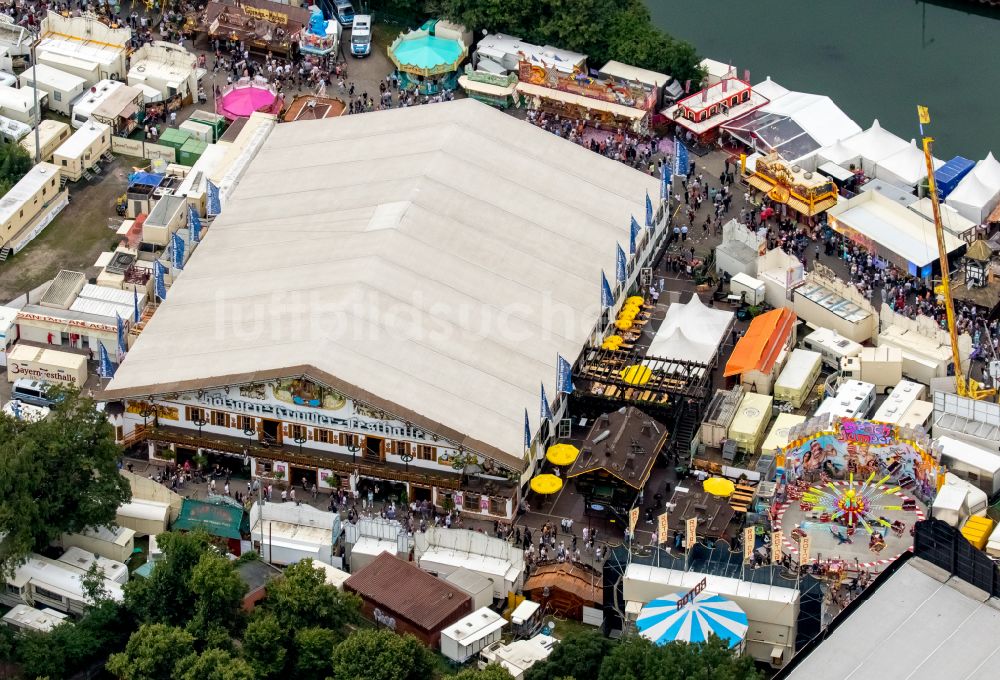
(5, 253)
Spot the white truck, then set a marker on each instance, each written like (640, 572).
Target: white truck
(833, 346)
(881, 366)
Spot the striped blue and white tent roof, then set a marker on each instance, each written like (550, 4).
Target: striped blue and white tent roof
(662, 622)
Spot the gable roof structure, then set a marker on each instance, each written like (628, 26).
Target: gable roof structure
(760, 346)
(429, 261)
(408, 591)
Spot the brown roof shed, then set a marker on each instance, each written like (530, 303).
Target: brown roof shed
(406, 591)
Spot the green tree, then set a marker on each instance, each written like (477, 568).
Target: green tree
(639, 659)
(493, 671)
(579, 655)
(313, 650)
(59, 475)
(264, 645)
(166, 596)
(152, 653)
(302, 598)
(218, 591)
(381, 655)
(213, 664)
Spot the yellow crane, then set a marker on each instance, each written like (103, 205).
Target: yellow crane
(966, 386)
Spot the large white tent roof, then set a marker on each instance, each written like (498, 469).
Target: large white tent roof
(795, 124)
(839, 154)
(430, 261)
(875, 144)
(919, 622)
(907, 167)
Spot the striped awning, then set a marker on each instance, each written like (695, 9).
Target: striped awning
(706, 614)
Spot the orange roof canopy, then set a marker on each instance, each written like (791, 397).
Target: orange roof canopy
(760, 346)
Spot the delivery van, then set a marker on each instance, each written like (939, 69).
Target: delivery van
(32, 392)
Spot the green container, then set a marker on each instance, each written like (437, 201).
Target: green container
(174, 138)
(191, 151)
(212, 120)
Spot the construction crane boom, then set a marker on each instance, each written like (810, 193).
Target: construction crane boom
(965, 386)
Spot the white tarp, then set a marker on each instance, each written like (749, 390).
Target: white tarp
(978, 192)
(690, 332)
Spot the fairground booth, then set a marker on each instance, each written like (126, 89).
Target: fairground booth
(263, 26)
(702, 113)
(607, 104)
(806, 193)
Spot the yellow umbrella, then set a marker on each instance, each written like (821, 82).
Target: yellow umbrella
(614, 339)
(719, 486)
(635, 300)
(636, 374)
(623, 324)
(546, 484)
(562, 454)
(611, 345)
(627, 314)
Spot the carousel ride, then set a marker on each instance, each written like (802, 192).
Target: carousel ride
(848, 496)
(248, 96)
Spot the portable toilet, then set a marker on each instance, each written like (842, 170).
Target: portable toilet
(200, 131)
(174, 138)
(212, 120)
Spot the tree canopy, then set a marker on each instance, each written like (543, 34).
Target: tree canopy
(639, 659)
(302, 598)
(579, 655)
(601, 29)
(14, 164)
(59, 475)
(166, 596)
(152, 653)
(381, 655)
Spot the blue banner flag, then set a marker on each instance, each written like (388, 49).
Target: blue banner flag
(607, 299)
(194, 224)
(564, 375)
(664, 183)
(546, 410)
(649, 211)
(633, 236)
(135, 306)
(527, 431)
(122, 346)
(105, 368)
(214, 206)
(176, 252)
(159, 283)
(620, 265)
(680, 159)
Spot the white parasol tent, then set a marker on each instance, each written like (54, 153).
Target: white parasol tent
(691, 332)
(978, 192)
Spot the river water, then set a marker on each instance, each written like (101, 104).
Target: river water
(874, 58)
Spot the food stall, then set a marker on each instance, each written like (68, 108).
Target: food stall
(262, 25)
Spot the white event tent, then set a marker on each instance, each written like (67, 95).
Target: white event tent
(795, 124)
(978, 192)
(905, 168)
(874, 145)
(840, 154)
(690, 332)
